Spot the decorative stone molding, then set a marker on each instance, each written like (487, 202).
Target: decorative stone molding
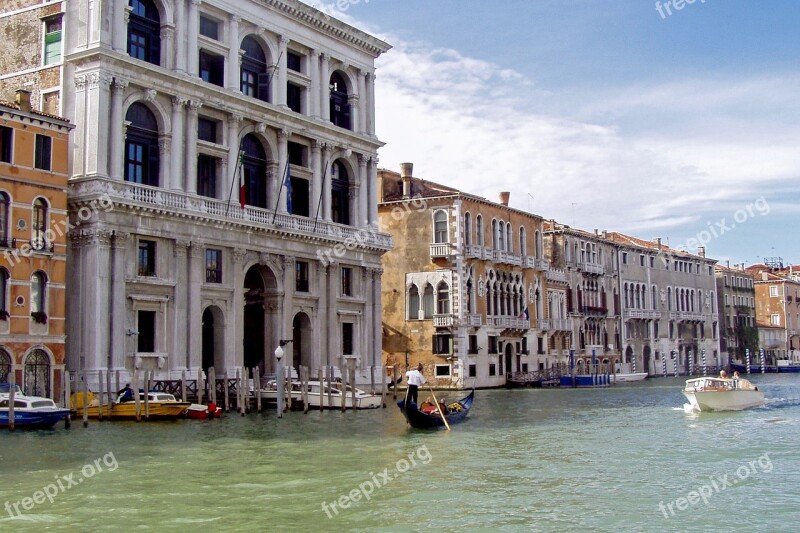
(181, 247)
(120, 84)
(179, 101)
(80, 82)
(196, 250)
(261, 127)
(194, 106)
(239, 255)
(150, 95)
(121, 238)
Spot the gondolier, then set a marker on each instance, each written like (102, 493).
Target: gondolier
(414, 378)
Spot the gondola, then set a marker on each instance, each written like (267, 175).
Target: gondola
(418, 419)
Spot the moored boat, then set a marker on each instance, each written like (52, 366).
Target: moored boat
(199, 411)
(629, 377)
(722, 394)
(429, 416)
(161, 406)
(29, 411)
(318, 393)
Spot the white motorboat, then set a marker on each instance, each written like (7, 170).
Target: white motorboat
(722, 394)
(628, 377)
(363, 400)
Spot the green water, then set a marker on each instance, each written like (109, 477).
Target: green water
(525, 460)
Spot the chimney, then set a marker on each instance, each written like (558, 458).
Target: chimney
(605, 234)
(406, 172)
(701, 251)
(504, 196)
(728, 263)
(23, 100)
(596, 232)
(658, 242)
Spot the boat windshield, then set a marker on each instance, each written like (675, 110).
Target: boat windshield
(5, 388)
(43, 403)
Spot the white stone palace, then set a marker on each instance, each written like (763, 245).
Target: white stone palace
(184, 108)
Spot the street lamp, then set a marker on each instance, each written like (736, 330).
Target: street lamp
(279, 353)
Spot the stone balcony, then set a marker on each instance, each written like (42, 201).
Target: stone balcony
(555, 274)
(591, 268)
(507, 322)
(474, 321)
(508, 258)
(443, 321)
(686, 316)
(543, 324)
(441, 250)
(541, 265)
(472, 251)
(561, 324)
(202, 209)
(642, 314)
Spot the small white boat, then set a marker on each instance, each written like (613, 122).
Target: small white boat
(628, 377)
(722, 394)
(363, 399)
(29, 411)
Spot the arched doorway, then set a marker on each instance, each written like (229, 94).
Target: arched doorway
(646, 359)
(37, 373)
(261, 305)
(629, 357)
(213, 339)
(301, 345)
(5, 365)
(509, 358)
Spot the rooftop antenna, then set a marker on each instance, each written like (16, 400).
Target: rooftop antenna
(573, 214)
(530, 197)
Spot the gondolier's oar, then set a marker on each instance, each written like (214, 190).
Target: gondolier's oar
(438, 408)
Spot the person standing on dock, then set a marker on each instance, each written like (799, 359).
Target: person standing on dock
(414, 379)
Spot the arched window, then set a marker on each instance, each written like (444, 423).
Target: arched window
(141, 146)
(427, 302)
(442, 299)
(144, 31)
(39, 224)
(5, 365)
(340, 194)
(5, 217)
(4, 294)
(494, 234)
(509, 238)
(413, 303)
(467, 229)
(501, 244)
(627, 304)
(470, 299)
(38, 293)
(37, 373)
(523, 249)
(537, 237)
(340, 108)
(440, 227)
(254, 76)
(669, 298)
(254, 171)
(655, 297)
(479, 230)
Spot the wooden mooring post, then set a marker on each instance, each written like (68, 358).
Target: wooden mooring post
(330, 385)
(200, 386)
(100, 399)
(394, 377)
(304, 387)
(319, 376)
(344, 387)
(384, 377)
(110, 393)
(353, 383)
(226, 391)
(212, 378)
(147, 377)
(243, 392)
(257, 387)
(183, 385)
(67, 400)
(85, 400)
(12, 382)
(116, 377)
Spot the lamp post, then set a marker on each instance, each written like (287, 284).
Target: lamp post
(279, 378)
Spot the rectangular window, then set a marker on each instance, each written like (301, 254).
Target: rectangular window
(212, 68)
(524, 345)
(207, 176)
(297, 154)
(347, 338)
(492, 344)
(209, 28)
(43, 152)
(207, 129)
(52, 40)
(473, 344)
(624, 258)
(776, 319)
(641, 260)
(301, 276)
(213, 266)
(300, 197)
(492, 369)
(473, 371)
(442, 344)
(652, 262)
(294, 61)
(773, 291)
(146, 326)
(294, 97)
(6, 142)
(347, 281)
(147, 258)
(442, 371)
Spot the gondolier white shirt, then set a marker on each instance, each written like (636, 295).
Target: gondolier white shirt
(414, 377)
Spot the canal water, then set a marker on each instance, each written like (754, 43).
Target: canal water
(626, 458)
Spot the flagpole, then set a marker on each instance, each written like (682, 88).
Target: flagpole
(321, 192)
(235, 168)
(280, 189)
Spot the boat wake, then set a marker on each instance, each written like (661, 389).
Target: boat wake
(781, 403)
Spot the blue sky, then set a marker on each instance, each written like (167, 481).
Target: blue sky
(607, 113)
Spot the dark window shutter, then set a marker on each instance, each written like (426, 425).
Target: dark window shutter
(152, 165)
(263, 86)
(155, 47)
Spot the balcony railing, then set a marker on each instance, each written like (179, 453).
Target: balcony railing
(473, 252)
(212, 210)
(474, 321)
(443, 321)
(594, 310)
(591, 268)
(554, 274)
(642, 314)
(543, 324)
(685, 315)
(500, 256)
(561, 324)
(441, 250)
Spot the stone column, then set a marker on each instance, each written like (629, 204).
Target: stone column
(98, 102)
(234, 123)
(333, 317)
(119, 314)
(119, 24)
(369, 309)
(168, 48)
(283, 41)
(233, 53)
(288, 300)
(372, 183)
(81, 133)
(190, 182)
(316, 178)
(377, 326)
(181, 317)
(164, 159)
(321, 345)
(194, 311)
(283, 160)
(235, 332)
(363, 191)
(324, 85)
(326, 187)
(355, 112)
(313, 72)
(193, 28)
(116, 134)
(370, 104)
(180, 36)
(363, 102)
(273, 182)
(178, 111)
(95, 285)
